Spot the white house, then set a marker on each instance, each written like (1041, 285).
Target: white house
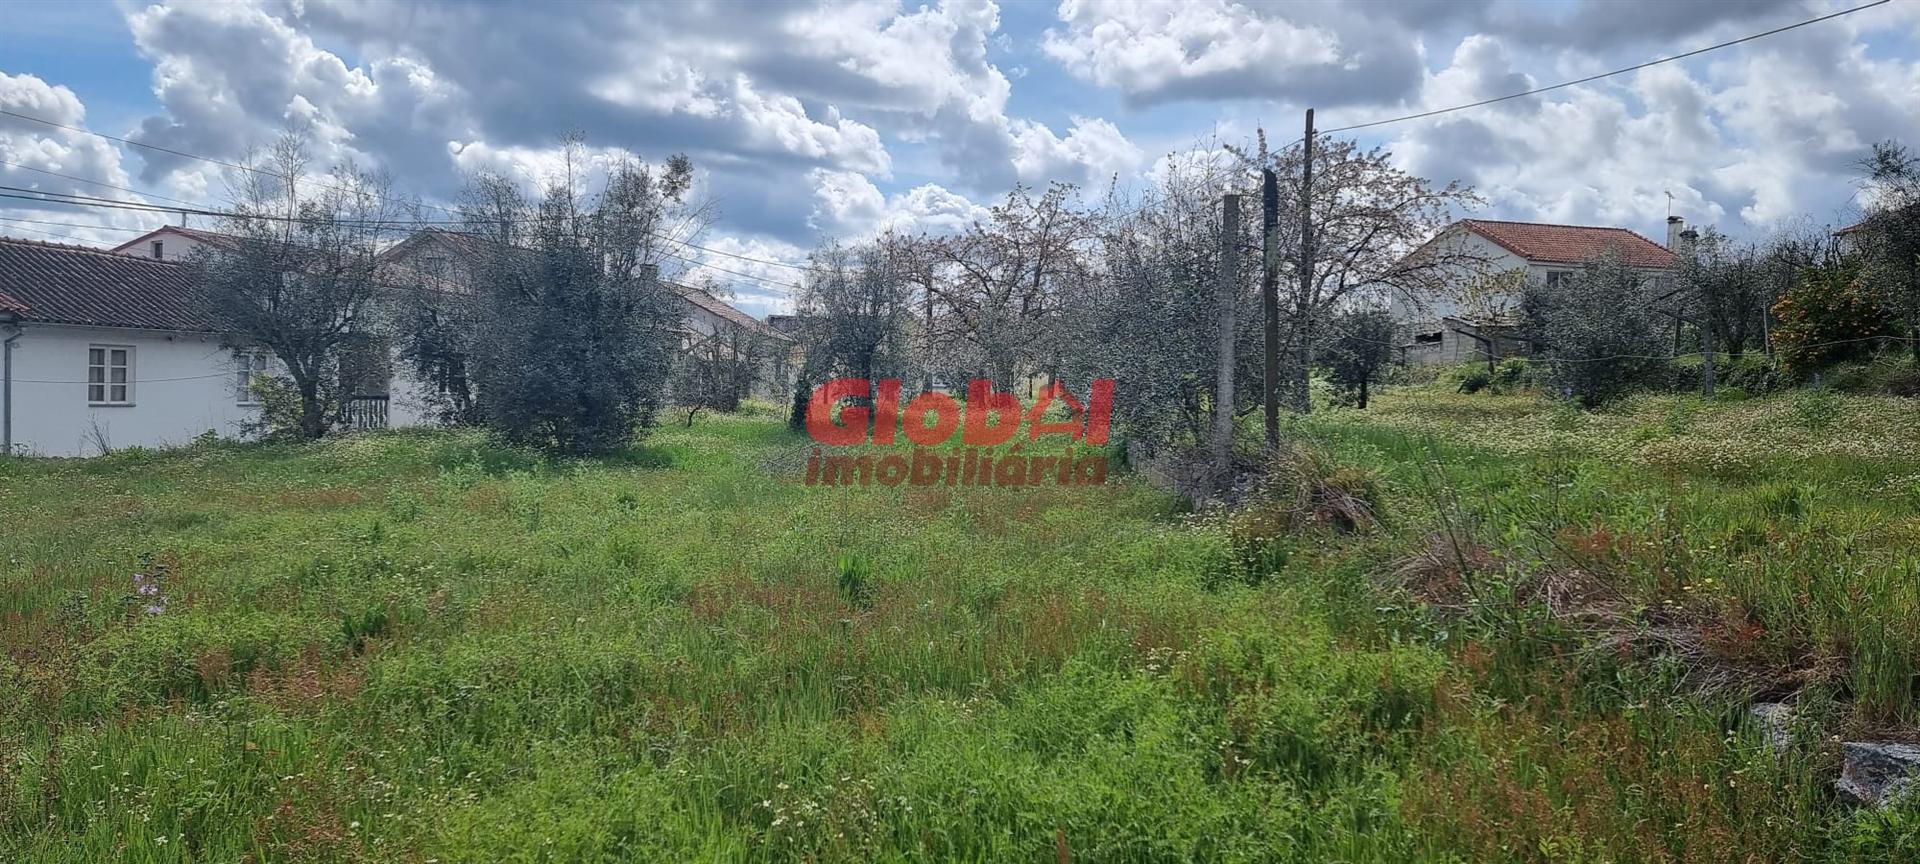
(1474, 319)
(386, 394)
(104, 351)
(103, 348)
(173, 243)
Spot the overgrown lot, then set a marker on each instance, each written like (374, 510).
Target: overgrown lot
(424, 647)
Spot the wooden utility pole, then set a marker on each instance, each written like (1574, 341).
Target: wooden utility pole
(1270, 298)
(1227, 295)
(1303, 327)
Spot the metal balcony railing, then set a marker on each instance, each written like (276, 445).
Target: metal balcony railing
(366, 412)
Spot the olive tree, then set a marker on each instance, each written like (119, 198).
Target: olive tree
(573, 327)
(1600, 333)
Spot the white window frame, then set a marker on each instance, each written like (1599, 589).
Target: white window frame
(106, 382)
(249, 364)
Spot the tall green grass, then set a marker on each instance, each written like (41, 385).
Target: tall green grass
(423, 646)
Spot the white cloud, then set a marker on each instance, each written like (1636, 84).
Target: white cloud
(755, 286)
(1745, 139)
(1093, 153)
(40, 153)
(1155, 51)
(849, 206)
(1149, 48)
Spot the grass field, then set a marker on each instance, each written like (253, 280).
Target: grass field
(427, 648)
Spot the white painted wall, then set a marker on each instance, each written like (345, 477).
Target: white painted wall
(174, 246)
(183, 385)
(1415, 319)
(407, 398)
(1431, 309)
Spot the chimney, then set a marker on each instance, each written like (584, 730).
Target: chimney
(650, 273)
(1675, 227)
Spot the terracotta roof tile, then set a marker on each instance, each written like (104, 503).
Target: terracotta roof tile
(1570, 244)
(53, 283)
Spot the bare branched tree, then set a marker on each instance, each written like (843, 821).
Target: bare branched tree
(1147, 316)
(1000, 283)
(297, 277)
(856, 311)
(1370, 221)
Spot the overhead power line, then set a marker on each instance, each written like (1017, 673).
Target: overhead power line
(90, 200)
(100, 183)
(1590, 78)
(75, 225)
(261, 171)
(194, 209)
(11, 192)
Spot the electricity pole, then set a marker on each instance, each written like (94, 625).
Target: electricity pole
(1302, 329)
(1270, 299)
(1228, 296)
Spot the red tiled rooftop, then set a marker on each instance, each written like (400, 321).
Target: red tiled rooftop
(1570, 244)
(54, 283)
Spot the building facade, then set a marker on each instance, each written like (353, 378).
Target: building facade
(103, 351)
(1476, 317)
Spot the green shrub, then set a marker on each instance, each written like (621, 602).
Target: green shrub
(1513, 372)
(1598, 333)
(1890, 371)
(1475, 381)
(1829, 316)
(1816, 408)
(1755, 374)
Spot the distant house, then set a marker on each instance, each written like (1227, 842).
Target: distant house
(173, 243)
(1475, 319)
(379, 391)
(105, 351)
(712, 328)
(1856, 237)
(709, 326)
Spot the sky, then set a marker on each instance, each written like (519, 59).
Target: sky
(834, 121)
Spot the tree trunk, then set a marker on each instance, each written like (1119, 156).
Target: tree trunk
(1706, 377)
(1303, 375)
(1363, 390)
(797, 411)
(313, 417)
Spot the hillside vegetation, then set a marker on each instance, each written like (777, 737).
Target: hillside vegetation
(427, 647)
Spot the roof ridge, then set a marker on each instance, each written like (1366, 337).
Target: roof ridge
(71, 247)
(1555, 225)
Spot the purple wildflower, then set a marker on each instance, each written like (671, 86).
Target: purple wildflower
(145, 586)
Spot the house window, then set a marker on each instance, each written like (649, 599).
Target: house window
(157, 247)
(435, 266)
(110, 375)
(1432, 338)
(248, 365)
(1558, 279)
